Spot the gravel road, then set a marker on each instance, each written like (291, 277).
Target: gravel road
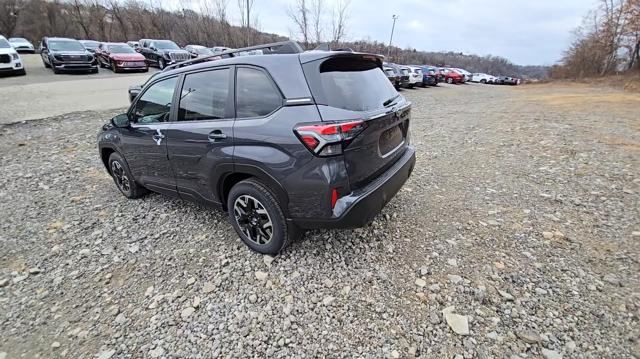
(517, 236)
(63, 93)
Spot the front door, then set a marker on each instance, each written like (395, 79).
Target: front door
(200, 141)
(144, 143)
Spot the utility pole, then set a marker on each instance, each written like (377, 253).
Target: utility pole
(248, 24)
(394, 17)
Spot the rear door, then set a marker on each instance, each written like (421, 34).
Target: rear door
(201, 140)
(354, 87)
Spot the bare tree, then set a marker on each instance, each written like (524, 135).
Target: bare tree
(245, 7)
(317, 9)
(299, 14)
(9, 14)
(339, 21)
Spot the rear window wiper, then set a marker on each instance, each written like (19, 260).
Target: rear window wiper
(390, 101)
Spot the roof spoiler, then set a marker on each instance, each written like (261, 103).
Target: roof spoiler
(276, 48)
(327, 47)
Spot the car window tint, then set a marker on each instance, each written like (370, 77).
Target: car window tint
(155, 103)
(204, 96)
(353, 84)
(256, 94)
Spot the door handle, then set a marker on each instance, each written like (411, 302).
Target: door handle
(216, 135)
(158, 137)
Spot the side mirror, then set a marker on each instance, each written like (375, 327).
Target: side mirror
(153, 48)
(121, 121)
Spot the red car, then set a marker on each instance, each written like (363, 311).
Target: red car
(453, 77)
(119, 56)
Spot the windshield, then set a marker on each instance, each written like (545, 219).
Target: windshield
(90, 44)
(166, 45)
(18, 39)
(121, 49)
(203, 51)
(4, 44)
(63, 45)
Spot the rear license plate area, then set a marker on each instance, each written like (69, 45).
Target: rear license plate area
(390, 139)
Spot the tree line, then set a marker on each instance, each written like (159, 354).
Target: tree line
(607, 42)
(117, 20)
(312, 22)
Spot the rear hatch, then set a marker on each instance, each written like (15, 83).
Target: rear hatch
(353, 87)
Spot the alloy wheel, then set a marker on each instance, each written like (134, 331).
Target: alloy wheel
(253, 219)
(120, 176)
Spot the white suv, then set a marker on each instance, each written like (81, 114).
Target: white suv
(415, 75)
(10, 61)
(483, 78)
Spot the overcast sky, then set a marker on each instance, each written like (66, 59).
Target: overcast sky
(527, 32)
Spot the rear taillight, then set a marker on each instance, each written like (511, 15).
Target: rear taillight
(327, 139)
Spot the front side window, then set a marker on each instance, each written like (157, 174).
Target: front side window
(155, 104)
(204, 96)
(256, 94)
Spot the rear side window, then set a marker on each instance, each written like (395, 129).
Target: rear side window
(256, 94)
(204, 96)
(352, 83)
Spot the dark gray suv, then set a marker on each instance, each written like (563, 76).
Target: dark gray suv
(284, 141)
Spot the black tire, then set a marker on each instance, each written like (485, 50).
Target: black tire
(113, 67)
(161, 64)
(256, 225)
(119, 171)
(450, 81)
(56, 71)
(483, 81)
(46, 65)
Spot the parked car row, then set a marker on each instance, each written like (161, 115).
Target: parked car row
(66, 54)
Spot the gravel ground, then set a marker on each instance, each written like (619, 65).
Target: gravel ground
(516, 237)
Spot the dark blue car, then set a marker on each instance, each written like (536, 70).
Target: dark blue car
(429, 76)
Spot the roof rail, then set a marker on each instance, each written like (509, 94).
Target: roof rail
(284, 47)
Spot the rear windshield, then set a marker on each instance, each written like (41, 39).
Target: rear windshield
(354, 84)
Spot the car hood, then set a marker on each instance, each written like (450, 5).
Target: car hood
(8, 51)
(127, 57)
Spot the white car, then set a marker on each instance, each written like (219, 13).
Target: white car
(483, 78)
(10, 61)
(415, 75)
(22, 44)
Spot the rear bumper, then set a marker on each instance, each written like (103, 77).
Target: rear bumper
(361, 206)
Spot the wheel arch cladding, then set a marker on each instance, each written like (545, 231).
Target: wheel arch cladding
(105, 153)
(232, 179)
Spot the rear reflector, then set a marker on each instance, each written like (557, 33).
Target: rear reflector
(334, 198)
